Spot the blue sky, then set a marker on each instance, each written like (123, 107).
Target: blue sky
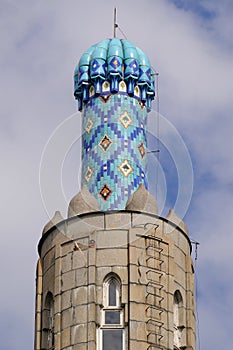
(190, 45)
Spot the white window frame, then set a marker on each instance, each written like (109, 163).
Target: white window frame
(106, 307)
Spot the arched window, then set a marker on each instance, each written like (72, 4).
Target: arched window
(48, 323)
(177, 318)
(112, 332)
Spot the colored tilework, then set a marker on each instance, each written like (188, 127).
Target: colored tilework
(114, 149)
(113, 65)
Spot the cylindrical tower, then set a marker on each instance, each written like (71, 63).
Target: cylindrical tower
(114, 275)
(114, 85)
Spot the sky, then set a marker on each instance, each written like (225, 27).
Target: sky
(189, 43)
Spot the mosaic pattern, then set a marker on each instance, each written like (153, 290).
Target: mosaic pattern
(125, 119)
(114, 153)
(89, 124)
(125, 168)
(88, 173)
(105, 192)
(105, 143)
(142, 150)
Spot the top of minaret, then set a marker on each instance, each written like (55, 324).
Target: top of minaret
(114, 86)
(120, 65)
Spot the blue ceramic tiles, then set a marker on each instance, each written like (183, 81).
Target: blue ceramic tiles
(114, 65)
(114, 86)
(114, 149)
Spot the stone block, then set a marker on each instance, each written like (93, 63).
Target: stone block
(117, 220)
(137, 312)
(181, 242)
(65, 337)
(191, 339)
(80, 314)
(94, 221)
(47, 244)
(179, 276)
(190, 304)
(134, 273)
(79, 335)
(49, 260)
(91, 312)
(68, 280)
(171, 268)
(170, 320)
(57, 304)
(179, 258)
(48, 281)
(92, 253)
(79, 347)
(80, 295)
(111, 257)
(92, 345)
(168, 340)
(137, 293)
(91, 293)
(124, 294)
(138, 330)
(58, 264)
(126, 313)
(112, 238)
(170, 301)
(57, 285)
(57, 322)
(135, 254)
(58, 251)
(80, 256)
(66, 301)
(77, 228)
(91, 274)
(138, 345)
(66, 317)
(91, 331)
(67, 247)
(66, 262)
(81, 277)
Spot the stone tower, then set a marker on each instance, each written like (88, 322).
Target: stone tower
(114, 274)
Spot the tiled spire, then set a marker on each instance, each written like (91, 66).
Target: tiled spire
(114, 85)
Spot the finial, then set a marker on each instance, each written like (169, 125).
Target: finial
(115, 23)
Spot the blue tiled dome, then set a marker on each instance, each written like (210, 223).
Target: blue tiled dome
(113, 65)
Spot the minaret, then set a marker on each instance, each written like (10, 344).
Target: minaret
(114, 274)
(114, 85)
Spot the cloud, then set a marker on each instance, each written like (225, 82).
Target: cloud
(192, 50)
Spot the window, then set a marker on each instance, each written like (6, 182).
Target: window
(177, 318)
(112, 331)
(48, 323)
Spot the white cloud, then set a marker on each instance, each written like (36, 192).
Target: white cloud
(40, 44)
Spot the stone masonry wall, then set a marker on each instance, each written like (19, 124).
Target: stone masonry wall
(78, 254)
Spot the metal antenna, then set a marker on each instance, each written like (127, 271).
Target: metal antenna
(115, 23)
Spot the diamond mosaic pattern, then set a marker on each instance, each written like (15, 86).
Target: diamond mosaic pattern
(125, 119)
(142, 150)
(89, 124)
(105, 192)
(105, 143)
(115, 154)
(88, 174)
(125, 168)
